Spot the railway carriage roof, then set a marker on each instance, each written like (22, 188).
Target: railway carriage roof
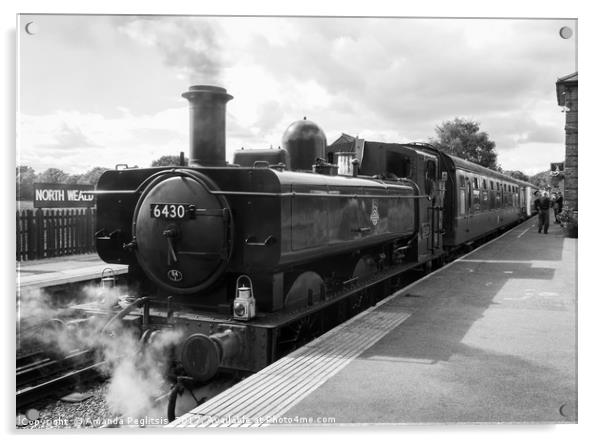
(456, 162)
(460, 163)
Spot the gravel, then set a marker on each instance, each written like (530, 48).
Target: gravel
(91, 413)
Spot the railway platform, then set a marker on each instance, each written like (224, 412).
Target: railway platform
(62, 271)
(488, 338)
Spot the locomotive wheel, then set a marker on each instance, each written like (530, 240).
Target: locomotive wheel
(427, 267)
(302, 331)
(358, 303)
(438, 262)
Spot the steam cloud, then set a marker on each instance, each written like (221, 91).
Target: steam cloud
(190, 45)
(136, 372)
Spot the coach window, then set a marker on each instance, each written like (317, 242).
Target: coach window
(476, 195)
(461, 194)
(468, 194)
(430, 176)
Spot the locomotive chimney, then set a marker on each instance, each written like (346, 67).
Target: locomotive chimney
(207, 125)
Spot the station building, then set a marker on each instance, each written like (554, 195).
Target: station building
(566, 94)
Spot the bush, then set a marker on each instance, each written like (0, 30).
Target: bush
(569, 222)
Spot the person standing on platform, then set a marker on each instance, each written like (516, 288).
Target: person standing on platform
(536, 203)
(544, 213)
(558, 203)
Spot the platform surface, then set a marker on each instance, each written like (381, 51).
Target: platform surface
(489, 338)
(62, 270)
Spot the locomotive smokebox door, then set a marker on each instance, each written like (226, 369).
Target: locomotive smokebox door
(183, 231)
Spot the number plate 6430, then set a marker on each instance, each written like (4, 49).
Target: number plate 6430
(170, 211)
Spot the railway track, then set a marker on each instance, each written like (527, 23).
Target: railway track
(40, 375)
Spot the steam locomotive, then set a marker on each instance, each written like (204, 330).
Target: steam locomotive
(252, 259)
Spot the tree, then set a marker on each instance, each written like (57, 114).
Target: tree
(519, 175)
(541, 180)
(168, 160)
(73, 179)
(463, 138)
(52, 175)
(91, 177)
(25, 179)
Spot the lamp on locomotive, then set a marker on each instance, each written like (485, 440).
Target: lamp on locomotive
(244, 304)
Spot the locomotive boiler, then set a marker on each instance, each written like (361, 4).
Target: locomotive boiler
(248, 258)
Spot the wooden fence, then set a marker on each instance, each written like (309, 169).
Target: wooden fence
(52, 233)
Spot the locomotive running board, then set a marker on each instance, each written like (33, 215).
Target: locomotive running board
(282, 319)
(277, 320)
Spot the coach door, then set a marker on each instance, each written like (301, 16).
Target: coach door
(436, 190)
(469, 206)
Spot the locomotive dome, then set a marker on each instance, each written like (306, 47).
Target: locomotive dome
(304, 141)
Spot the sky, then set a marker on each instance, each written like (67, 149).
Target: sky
(103, 90)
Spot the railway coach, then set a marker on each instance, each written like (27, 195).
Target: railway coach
(477, 201)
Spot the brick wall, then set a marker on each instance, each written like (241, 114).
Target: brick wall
(571, 141)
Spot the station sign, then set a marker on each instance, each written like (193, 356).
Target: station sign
(55, 195)
(556, 168)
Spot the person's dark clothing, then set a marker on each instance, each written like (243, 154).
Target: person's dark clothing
(544, 220)
(544, 213)
(557, 208)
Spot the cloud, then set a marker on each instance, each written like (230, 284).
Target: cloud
(543, 134)
(69, 137)
(531, 158)
(403, 77)
(189, 45)
(131, 139)
(390, 79)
